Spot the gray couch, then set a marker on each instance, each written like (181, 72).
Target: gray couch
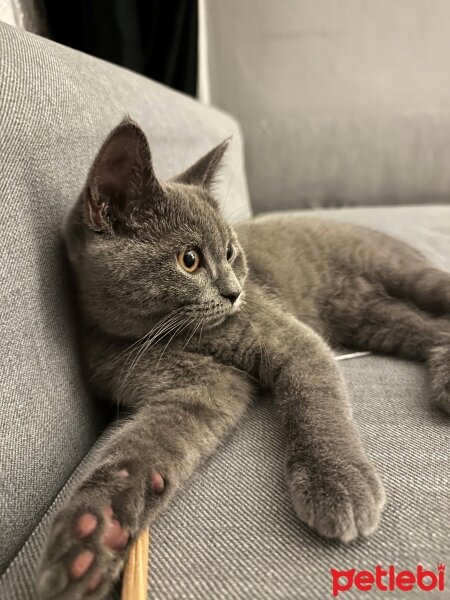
(232, 533)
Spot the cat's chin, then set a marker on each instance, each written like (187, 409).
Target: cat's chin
(217, 320)
(214, 322)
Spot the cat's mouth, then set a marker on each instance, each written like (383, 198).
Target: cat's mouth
(237, 305)
(218, 317)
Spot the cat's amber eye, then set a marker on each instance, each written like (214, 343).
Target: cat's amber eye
(230, 252)
(189, 260)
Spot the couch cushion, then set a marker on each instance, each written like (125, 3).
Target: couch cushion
(56, 106)
(232, 534)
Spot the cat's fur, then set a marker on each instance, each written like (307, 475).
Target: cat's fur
(172, 348)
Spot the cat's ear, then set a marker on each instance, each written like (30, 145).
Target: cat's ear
(204, 171)
(120, 178)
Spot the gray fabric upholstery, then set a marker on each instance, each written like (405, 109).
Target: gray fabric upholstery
(56, 106)
(341, 103)
(232, 533)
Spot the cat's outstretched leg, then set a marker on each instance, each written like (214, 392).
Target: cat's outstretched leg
(334, 487)
(365, 317)
(141, 466)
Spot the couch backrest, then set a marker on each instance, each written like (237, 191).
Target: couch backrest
(341, 103)
(56, 107)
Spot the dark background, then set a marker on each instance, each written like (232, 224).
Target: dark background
(157, 38)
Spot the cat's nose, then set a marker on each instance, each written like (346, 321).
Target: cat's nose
(231, 296)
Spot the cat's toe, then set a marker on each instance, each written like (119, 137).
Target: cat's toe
(90, 537)
(114, 535)
(80, 564)
(85, 525)
(339, 501)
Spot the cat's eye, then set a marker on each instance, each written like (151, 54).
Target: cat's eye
(230, 252)
(189, 260)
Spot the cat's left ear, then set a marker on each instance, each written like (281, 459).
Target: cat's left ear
(204, 171)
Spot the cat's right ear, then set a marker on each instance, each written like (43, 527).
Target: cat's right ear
(121, 177)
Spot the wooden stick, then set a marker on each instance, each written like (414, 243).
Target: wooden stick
(134, 586)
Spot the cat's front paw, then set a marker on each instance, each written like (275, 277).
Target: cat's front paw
(90, 537)
(85, 554)
(338, 499)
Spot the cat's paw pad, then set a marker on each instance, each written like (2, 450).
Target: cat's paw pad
(89, 538)
(84, 555)
(439, 365)
(339, 500)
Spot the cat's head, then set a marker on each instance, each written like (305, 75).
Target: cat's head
(143, 248)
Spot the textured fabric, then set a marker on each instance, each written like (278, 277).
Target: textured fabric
(232, 534)
(56, 106)
(17, 582)
(341, 103)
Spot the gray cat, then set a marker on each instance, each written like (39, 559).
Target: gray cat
(184, 317)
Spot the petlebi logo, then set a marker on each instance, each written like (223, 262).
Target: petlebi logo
(388, 579)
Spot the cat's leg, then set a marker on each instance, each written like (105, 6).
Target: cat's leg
(334, 487)
(140, 468)
(418, 282)
(364, 316)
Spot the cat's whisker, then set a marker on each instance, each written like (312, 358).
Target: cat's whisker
(258, 306)
(162, 331)
(141, 339)
(180, 328)
(201, 331)
(195, 328)
(158, 335)
(147, 343)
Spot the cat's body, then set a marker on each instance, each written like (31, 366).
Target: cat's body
(184, 318)
(336, 277)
